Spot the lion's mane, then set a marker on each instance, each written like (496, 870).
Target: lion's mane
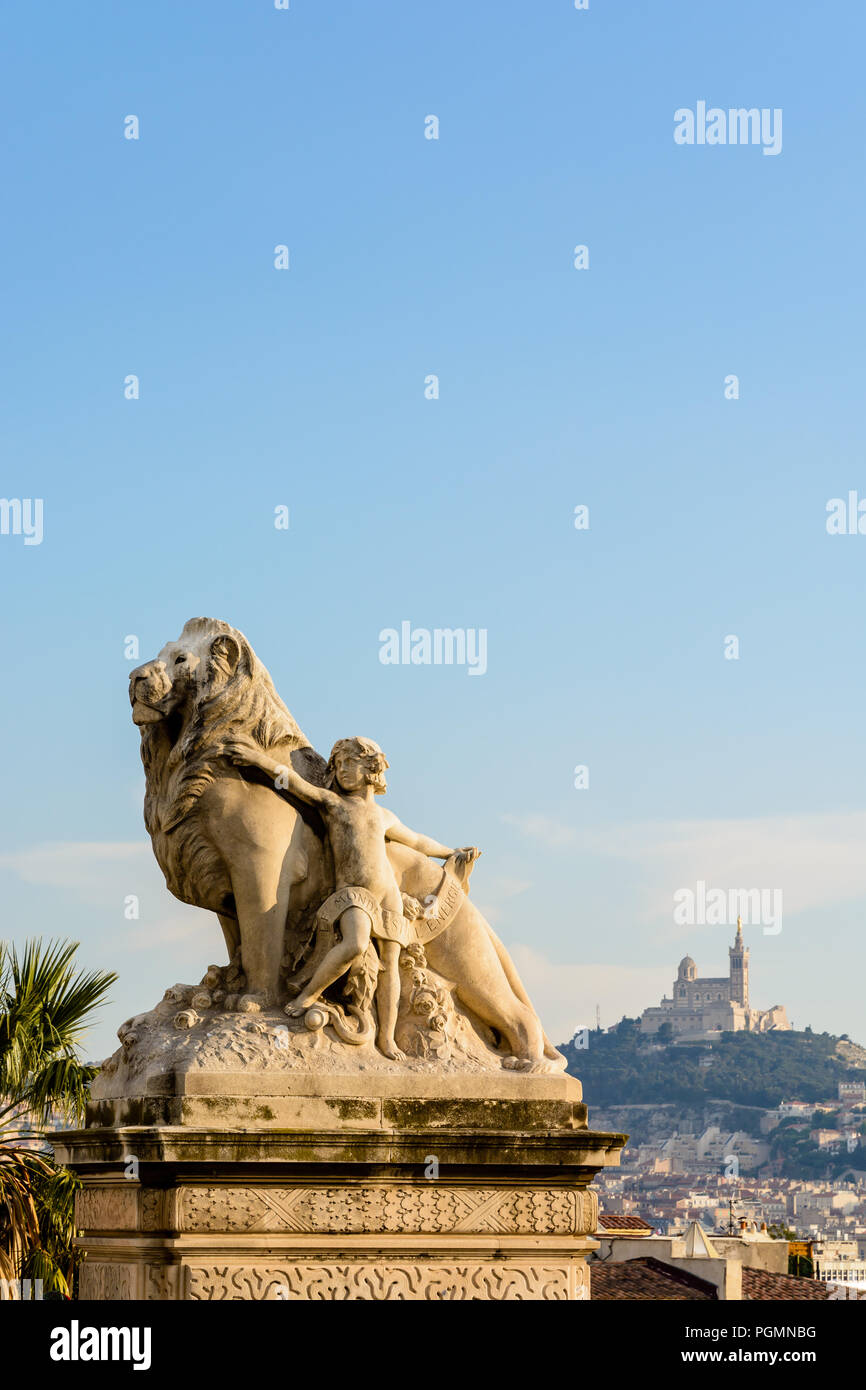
(229, 698)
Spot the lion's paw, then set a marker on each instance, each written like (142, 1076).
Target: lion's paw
(252, 1003)
(533, 1066)
(516, 1063)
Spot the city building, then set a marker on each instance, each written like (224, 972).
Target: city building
(840, 1262)
(693, 1265)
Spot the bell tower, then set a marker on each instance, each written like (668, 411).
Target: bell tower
(739, 968)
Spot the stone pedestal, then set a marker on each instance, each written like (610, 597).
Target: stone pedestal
(419, 1189)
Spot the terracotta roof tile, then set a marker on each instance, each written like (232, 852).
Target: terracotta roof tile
(646, 1279)
(618, 1221)
(653, 1281)
(760, 1284)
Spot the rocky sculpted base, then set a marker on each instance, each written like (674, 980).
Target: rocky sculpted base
(210, 1029)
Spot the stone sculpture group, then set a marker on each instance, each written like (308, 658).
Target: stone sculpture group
(361, 1102)
(333, 912)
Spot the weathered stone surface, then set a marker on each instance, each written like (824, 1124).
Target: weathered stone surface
(268, 1053)
(109, 1150)
(114, 1208)
(276, 1097)
(343, 1114)
(425, 1213)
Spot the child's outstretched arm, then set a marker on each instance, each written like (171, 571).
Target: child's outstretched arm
(247, 753)
(396, 830)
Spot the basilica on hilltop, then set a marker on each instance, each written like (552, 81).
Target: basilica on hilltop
(701, 1007)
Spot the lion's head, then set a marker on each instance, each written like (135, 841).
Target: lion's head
(199, 691)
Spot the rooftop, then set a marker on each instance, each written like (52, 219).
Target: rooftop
(612, 1222)
(653, 1281)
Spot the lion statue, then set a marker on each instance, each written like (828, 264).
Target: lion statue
(227, 841)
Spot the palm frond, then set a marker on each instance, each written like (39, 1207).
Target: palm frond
(21, 1170)
(45, 1006)
(54, 1258)
(61, 1087)
(50, 1003)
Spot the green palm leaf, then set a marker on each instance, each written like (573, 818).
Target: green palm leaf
(46, 1005)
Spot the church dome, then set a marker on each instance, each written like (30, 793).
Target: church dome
(688, 970)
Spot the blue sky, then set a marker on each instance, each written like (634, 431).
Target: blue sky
(558, 387)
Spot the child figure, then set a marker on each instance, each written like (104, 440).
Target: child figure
(367, 900)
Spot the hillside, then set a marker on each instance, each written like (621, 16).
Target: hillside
(626, 1067)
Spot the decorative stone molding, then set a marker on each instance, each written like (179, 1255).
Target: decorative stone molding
(424, 1281)
(108, 1281)
(312, 1215)
(124, 1206)
(388, 1209)
(113, 1208)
